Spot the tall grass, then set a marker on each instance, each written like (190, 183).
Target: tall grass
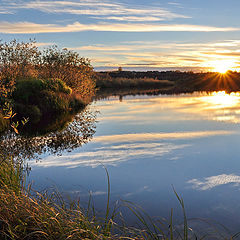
(24, 215)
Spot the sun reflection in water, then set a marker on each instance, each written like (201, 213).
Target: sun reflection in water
(222, 99)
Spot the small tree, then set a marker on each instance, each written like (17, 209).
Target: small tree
(68, 66)
(20, 60)
(17, 60)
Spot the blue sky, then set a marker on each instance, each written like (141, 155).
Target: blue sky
(140, 34)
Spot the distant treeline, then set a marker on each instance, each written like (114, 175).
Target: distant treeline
(176, 81)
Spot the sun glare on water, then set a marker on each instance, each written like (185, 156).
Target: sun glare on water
(222, 99)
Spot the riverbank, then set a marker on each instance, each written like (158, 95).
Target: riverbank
(28, 215)
(175, 81)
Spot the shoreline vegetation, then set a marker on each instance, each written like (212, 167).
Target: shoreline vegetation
(39, 87)
(169, 82)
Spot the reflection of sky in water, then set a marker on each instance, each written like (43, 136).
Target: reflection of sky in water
(114, 149)
(217, 106)
(148, 144)
(214, 181)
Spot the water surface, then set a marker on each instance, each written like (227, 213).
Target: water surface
(150, 144)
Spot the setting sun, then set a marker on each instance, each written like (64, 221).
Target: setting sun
(222, 66)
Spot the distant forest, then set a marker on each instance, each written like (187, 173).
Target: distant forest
(176, 81)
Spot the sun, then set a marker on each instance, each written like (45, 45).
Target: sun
(222, 66)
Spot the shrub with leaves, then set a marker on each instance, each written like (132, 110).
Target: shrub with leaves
(37, 98)
(19, 60)
(68, 66)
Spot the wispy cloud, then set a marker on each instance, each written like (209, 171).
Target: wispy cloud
(2, 11)
(158, 45)
(214, 181)
(132, 18)
(30, 27)
(162, 54)
(115, 149)
(100, 8)
(140, 190)
(175, 4)
(228, 53)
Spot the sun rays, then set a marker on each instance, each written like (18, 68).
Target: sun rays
(223, 66)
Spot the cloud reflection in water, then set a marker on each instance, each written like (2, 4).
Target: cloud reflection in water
(109, 155)
(114, 149)
(214, 181)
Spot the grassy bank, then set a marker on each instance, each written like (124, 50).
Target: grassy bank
(24, 215)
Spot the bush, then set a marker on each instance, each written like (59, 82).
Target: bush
(56, 85)
(23, 60)
(30, 111)
(38, 98)
(72, 69)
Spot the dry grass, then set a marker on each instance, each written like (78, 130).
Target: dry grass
(27, 216)
(132, 83)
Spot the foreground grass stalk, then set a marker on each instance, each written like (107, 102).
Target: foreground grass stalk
(185, 228)
(107, 221)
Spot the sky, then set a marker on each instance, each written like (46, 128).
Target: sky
(137, 35)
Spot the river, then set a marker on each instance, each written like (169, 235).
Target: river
(151, 145)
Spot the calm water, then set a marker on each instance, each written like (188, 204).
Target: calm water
(150, 144)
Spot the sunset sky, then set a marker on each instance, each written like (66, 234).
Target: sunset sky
(143, 34)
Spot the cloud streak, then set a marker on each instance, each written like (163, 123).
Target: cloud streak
(30, 28)
(162, 54)
(115, 149)
(100, 8)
